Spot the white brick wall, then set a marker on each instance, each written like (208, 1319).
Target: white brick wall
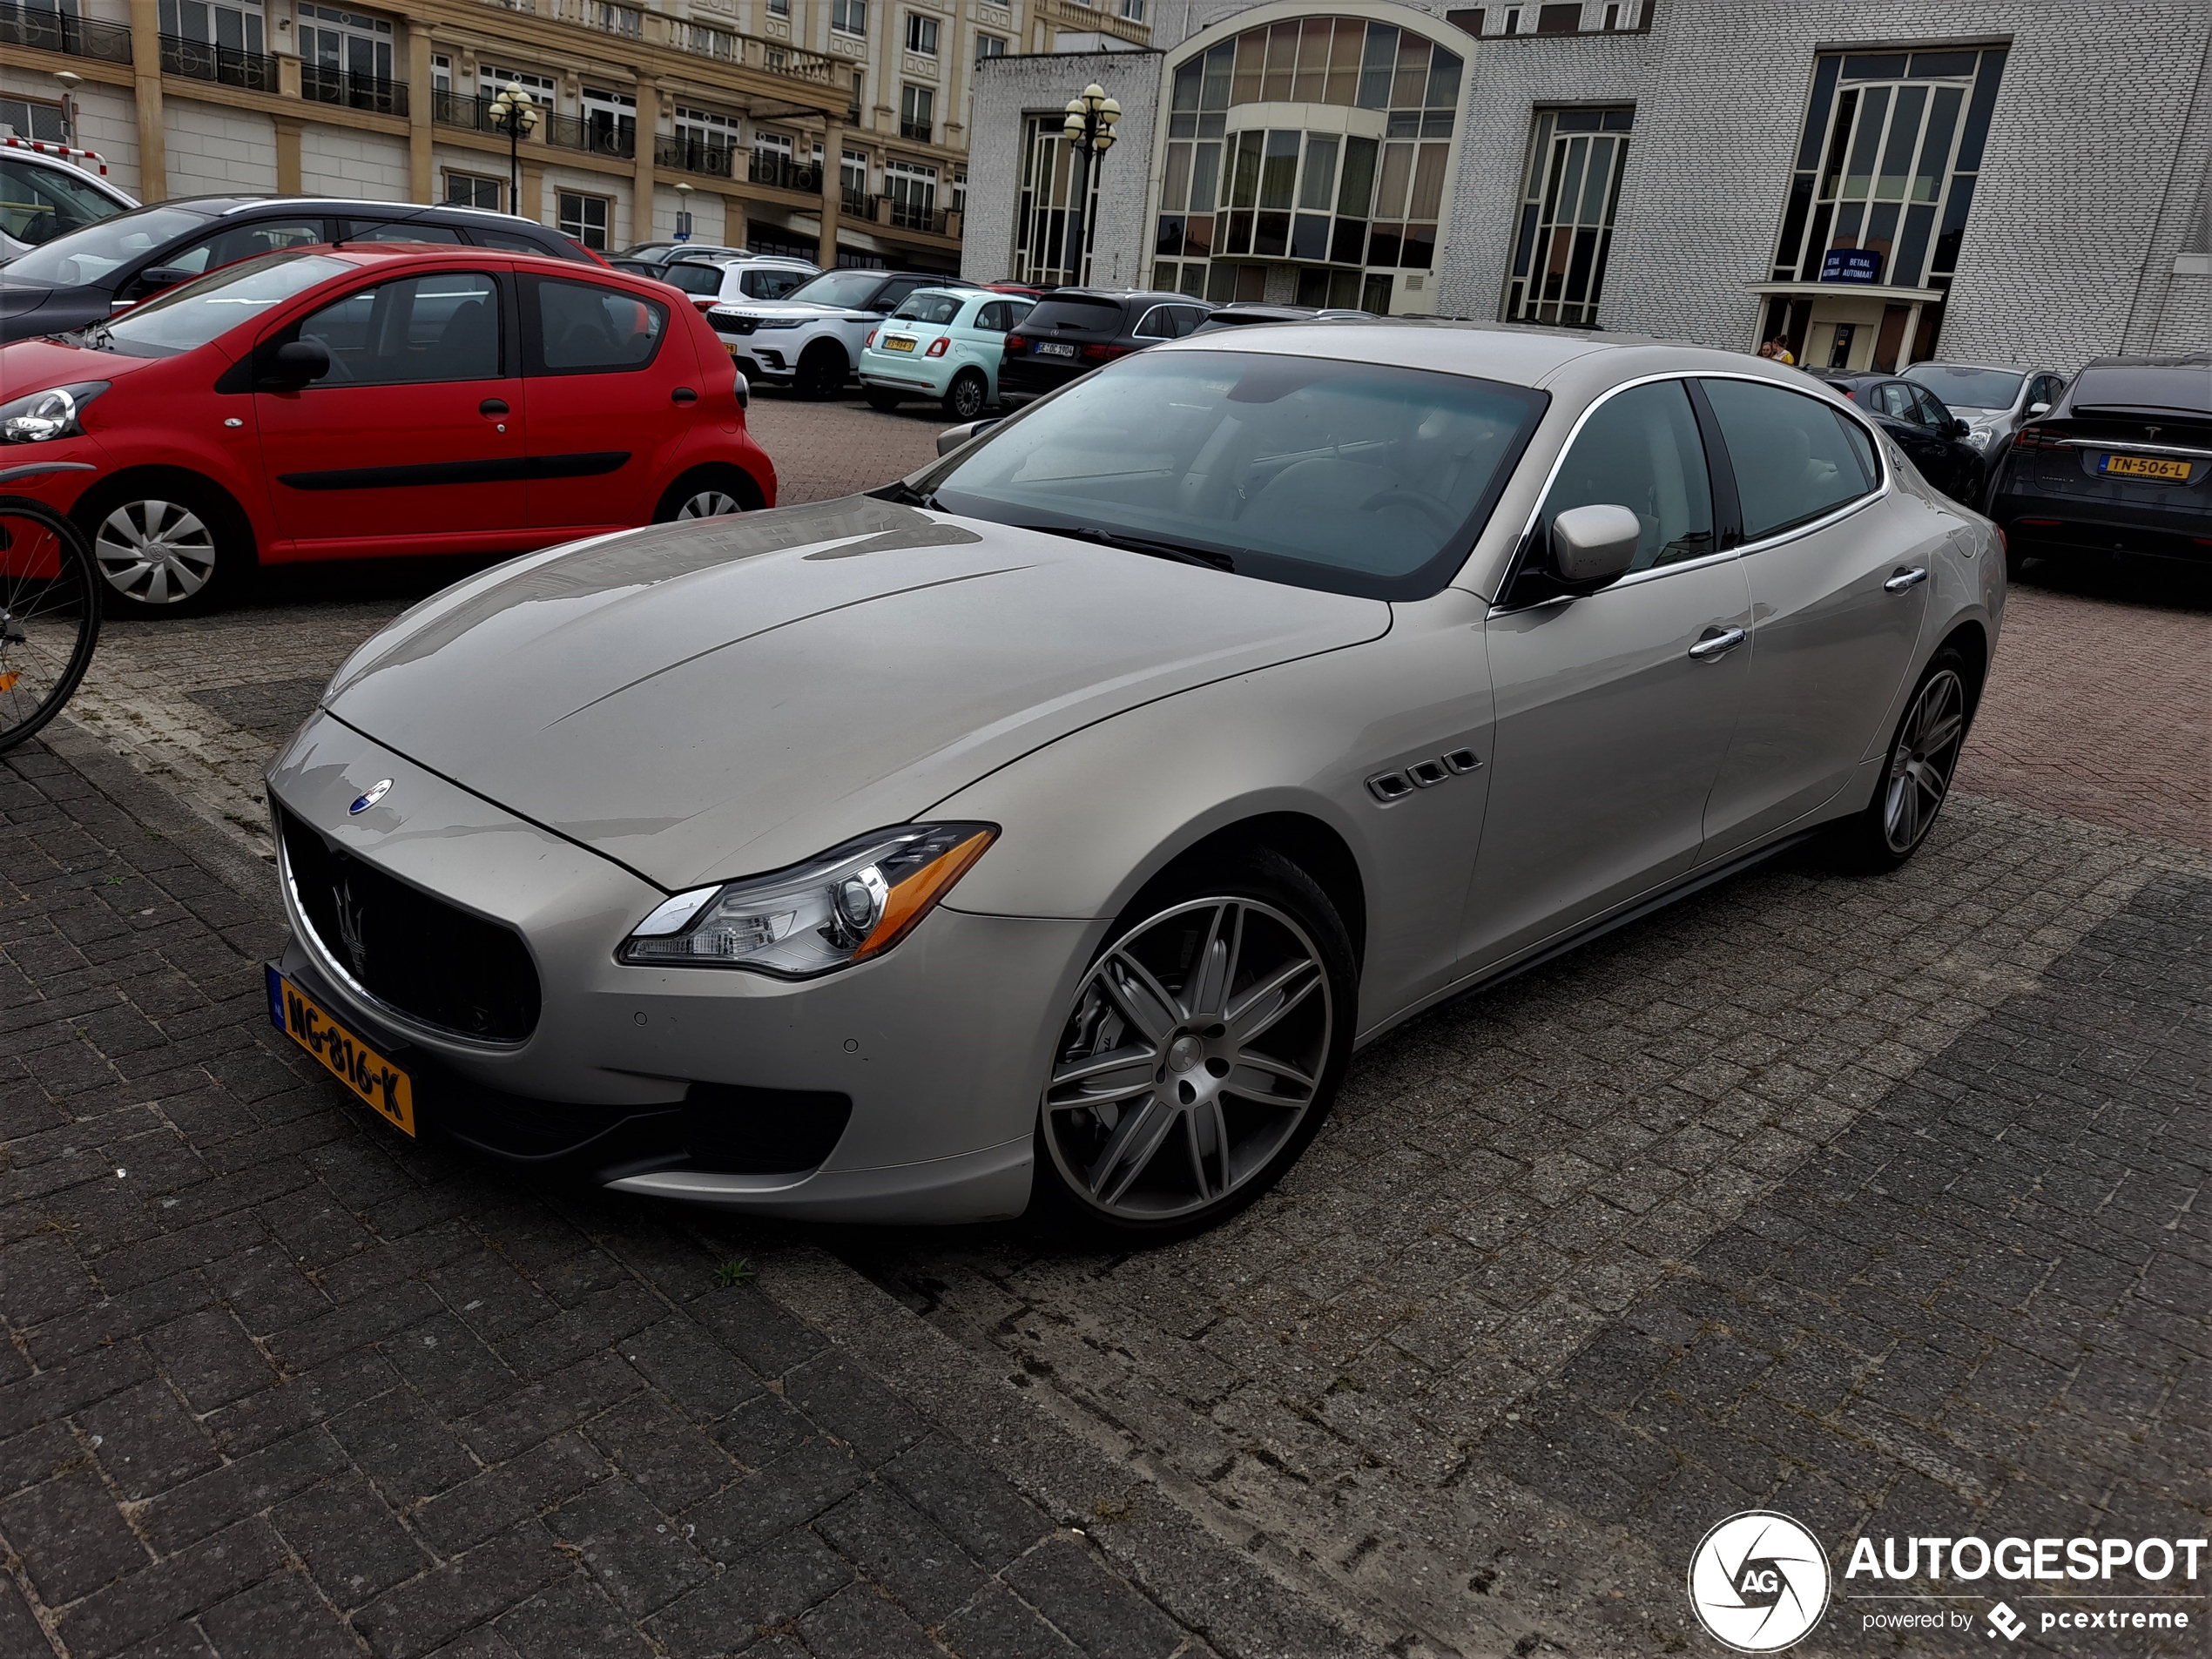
(213, 150)
(338, 161)
(106, 119)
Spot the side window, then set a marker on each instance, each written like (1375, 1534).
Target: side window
(365, 229)
(1932, 414)
(1795, 458)
(582, 328)
(513, 241)
(895, 293)
(2050, 386)
(1187, 319)
(989, 319)
(1894, 401)
(444, 327)
(1158, 323)
(1641, 450)
(243, 242)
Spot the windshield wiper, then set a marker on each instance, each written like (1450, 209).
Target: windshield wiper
(1180, 552)
(905, 494)
(94, 336)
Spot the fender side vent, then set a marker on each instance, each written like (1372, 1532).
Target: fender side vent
(1388, 787)
(1427, 774)
(1463, 760)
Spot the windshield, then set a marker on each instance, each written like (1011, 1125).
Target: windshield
(1352, 477)
(85, 256)
(38, 204)
(931, 307)
(1059, 311)
(1968, 388)
(197, 312)
(838, 289)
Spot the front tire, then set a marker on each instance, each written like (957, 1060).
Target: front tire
(165, 546)
(822, 371)
(881, 401)
(1916, 777)
(1200, 1054)
(966, 396)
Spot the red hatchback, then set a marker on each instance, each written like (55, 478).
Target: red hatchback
(354, 401)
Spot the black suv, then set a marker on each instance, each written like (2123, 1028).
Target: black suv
(83, 277)
(1924, 429)
(2123, 464)
(1072, 331)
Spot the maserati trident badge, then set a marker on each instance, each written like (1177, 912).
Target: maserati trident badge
(369, 797)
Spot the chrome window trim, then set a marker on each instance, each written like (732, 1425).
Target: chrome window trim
(320, 954)
(1884, 486)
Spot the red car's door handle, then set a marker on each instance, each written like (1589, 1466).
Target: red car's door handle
(492, 405)
(683, 395)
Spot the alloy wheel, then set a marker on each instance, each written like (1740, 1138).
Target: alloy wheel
(1194, 1052)
(1921, 764)
(966, 398)
(157, 552)
(709, 503)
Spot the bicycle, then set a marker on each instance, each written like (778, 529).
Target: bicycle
(49, 607)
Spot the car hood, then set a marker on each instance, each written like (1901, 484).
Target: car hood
(34, 364)
(702, 701)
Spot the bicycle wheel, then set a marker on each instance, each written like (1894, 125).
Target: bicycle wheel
(50, 615)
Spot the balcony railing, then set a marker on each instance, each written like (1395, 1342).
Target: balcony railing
(702, 39)
(690, 154)
(856, 203)
(917, 131)
(916, 216)
(53, 32)
(227, 65)
(565, 131)
(319, 85)
(771, 167)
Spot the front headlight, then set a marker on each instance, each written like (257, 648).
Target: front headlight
(1979, 437)
(777, 323)
(854, 902)
(51, 414)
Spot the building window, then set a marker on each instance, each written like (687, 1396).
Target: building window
(1887, 165)
(30, 119)
(989, 46)
(852, 111)
(1570, 188)
(705, 142)
(1335, 205)
(1612, 18)
(849, 17)
(959, 191)
(212, 23)
(917, 113)
(779, 8)
(912, 188)
(585, 218)
(440, 72)
(344, 43)
(493, 80)
(1041, 217)
(1560, 20)
(473, 190)
(1133, 10)
(1512, 20)
(921, 34)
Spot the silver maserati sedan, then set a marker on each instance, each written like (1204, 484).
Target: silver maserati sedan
(1049, 828)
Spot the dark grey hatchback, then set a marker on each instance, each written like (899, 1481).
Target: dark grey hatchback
(1072, 331)
(85, 276)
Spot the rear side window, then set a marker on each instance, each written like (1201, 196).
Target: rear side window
(244, 242)
(363, 230)
(1158, 323)
(1641, 450)
(770, 284)
(1794, 456)
(1101, 316)
(444, 327)
(513, 241)
(698, 279)
(582, 328)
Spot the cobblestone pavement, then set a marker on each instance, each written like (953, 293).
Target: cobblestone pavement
(1796, 1193)
(277, 1381)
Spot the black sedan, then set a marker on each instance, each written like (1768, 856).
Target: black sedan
(1924, 429)
(85, 276)
(2123, 464)
(1072, 331)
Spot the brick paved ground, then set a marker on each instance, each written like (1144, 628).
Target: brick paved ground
(279, 1382)
(1406, 1394)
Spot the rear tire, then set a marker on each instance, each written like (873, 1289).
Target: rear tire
(166, 545)
(880, 400)
(821, 372)
(1228, 991)
(1916, 775)
(708, 492)
(966, 396)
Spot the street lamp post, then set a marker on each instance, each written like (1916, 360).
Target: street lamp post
(71, 81)
(515, 112)
(683, 211)
(1090, 127)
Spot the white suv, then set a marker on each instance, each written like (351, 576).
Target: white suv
(811, 338)
(732, 280)
(48, 190)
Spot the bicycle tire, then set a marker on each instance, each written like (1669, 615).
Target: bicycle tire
(50, 615)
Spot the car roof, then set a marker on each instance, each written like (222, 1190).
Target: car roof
(1132, 296)
(223, 206)
(1994, 368)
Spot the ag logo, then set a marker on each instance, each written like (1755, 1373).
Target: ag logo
(1758, 1581)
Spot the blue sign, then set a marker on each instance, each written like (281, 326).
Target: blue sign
(1851, 265)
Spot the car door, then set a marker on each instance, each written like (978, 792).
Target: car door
(414, 437)
(1839, 571)
(1961, 463)
(610, 387)
(1614, 709)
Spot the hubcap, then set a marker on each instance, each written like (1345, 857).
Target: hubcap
(1920, 767)
(1193, 1052)
(155, 551)
(709, 503)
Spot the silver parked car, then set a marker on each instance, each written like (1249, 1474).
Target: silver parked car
(1052, 826)
(1994, 402)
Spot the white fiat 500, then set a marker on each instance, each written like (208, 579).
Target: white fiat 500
(1052, 826)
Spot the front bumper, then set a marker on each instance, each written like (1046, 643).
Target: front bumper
(637, 1077)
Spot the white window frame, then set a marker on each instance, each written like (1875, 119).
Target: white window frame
(849, 17)
(477, 181)
(581, 220)
(920, 27)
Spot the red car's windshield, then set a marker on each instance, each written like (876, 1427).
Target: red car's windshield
(193, 315)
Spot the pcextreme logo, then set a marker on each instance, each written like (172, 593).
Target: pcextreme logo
(1758, 1581)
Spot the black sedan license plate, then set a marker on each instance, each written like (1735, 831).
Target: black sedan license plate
(382, 1086)
(1046, 348)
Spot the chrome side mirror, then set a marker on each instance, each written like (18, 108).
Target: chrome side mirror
(1592, 546)
(953, 437)
(2038, 408)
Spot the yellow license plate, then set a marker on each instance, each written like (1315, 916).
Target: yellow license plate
(2147, 467)
(730, 346)
(897, 342)
(382, 1086)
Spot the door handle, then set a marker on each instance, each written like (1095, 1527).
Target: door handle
(683, 395)
(1905, 579)
(492, 405)
(1718, 642)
